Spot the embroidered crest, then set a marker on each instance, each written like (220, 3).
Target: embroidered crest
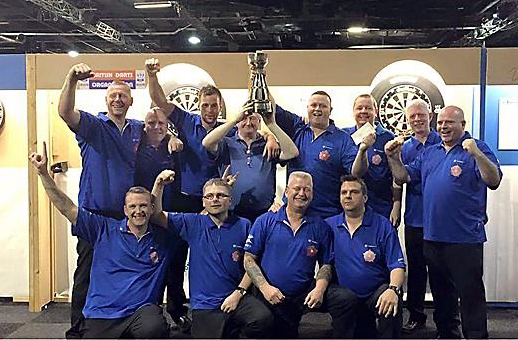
(376, 159)
(236, 256)
(456, 170)
(369, 256)
(153, 256)
(311, 251)
(324, 155)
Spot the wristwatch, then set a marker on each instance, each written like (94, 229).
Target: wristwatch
(396, 289)
(241, 291)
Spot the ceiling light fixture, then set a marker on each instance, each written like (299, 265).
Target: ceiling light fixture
(194, 40)
(357, 29)
(152, 4)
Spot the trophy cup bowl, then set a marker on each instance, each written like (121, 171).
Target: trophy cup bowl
(258, 90)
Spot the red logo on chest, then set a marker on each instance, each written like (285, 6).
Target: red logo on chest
(324, 155)
(376, 159)
(311, 251)
(236, 256)
(456, 170)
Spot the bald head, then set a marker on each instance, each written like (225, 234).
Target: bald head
(451, 124)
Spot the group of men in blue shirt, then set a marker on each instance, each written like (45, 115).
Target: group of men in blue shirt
(321, 154)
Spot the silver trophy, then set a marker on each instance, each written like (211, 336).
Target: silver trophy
(258, 90)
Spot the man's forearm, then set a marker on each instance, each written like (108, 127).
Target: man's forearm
(323, 277)
(61, 201)
(397, 276)
(488, 171)
(67, 101)
(253, 271)
(211, 140)
(361, 163)
(399, 172)
(158, 97)
(288, 148)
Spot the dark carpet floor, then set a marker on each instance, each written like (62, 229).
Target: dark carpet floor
(17, 322)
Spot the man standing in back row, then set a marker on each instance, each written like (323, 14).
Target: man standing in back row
(455, 175)
(418, 115)
(108, 144)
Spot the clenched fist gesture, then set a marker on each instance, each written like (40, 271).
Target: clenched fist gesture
(152, 67)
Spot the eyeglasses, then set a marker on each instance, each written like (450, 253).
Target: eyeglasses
(218, 196)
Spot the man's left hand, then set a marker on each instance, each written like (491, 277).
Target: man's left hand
(231, 302)
(395, 214)
(387, 303)
(314, 298)
(470, 146)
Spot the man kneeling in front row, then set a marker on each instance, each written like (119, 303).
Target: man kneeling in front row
(129, 263)
(368, 260)
(221, 307)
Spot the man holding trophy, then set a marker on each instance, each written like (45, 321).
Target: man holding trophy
(254, 193)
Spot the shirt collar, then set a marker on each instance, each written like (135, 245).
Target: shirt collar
(366, 221)
(331, 128)
(229, 222)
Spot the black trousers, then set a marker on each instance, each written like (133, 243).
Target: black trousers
(338, 301)
(147, 322)
(251, 319)
(367, 314)
(417, 274)
(455, 271)
(85, 254)
(176, 297)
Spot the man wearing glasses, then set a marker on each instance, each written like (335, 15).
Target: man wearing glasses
(254, 193)
(221, 307)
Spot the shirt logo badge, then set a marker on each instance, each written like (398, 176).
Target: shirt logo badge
(376, 159)
(456, 170)
(236, 256)
(324, 155)
(311, 251)
(369, 256)
(153, 256)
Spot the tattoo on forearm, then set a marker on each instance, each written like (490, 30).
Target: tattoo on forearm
(254, 272)
(324, 273)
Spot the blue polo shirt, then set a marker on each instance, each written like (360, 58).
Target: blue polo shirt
(255, 188)
(378, 177)
(108, 160)
(364, 260)
(414, 195)
(126, 273)
(326, 158)
(195, 164)
(215, 258)
(150, 162)
(454, 194)
(288, 259)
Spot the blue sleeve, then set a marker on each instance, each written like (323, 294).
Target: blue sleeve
(326, 250)
(89, 226)
(257, 237)
(88, 128)
(349, 153)
(404, 152)
(287, 121)
(178, 223)
(392, 248)
(180, 117)
(414, 168)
